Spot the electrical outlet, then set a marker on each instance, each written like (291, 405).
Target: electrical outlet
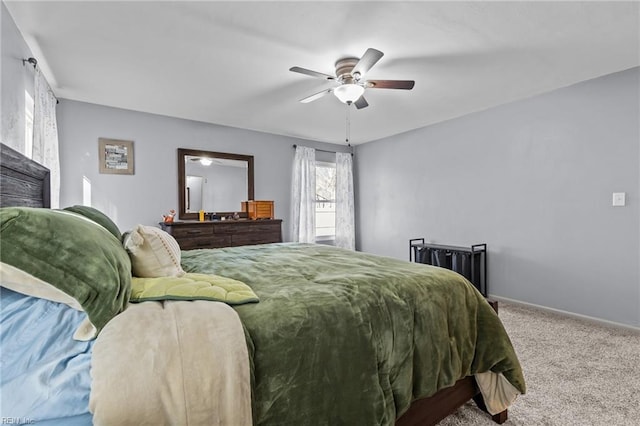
(619, 199)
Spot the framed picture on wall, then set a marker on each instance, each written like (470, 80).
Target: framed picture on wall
(115, 156)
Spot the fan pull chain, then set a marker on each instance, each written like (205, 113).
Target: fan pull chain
(348, 125)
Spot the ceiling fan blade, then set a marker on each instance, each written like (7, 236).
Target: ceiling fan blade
(390, 84)
(369, 59)
(312, 73)
(316, 96)
(361, 103)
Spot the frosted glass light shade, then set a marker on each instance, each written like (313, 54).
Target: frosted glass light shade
(348, 93)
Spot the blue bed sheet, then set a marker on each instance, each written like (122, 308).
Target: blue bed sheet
(44, 373)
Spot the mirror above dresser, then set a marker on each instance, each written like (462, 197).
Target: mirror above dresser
(216, 182)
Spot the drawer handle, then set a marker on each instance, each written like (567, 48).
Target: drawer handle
(193, 231)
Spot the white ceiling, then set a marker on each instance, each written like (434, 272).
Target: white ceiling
(228, 62)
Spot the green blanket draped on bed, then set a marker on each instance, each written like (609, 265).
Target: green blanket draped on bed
(348, 338)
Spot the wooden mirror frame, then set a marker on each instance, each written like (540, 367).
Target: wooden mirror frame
(183, 153)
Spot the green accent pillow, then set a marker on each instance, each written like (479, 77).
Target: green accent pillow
(98, 217)
(192, 286)
(70, 252)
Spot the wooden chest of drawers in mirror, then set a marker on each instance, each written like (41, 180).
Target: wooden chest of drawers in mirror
(215, 234)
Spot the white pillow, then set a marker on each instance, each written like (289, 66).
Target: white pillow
(22, 282)
(154, 253)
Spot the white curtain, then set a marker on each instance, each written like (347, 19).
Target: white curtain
(303, 196)
(45, 134)
(345, 217)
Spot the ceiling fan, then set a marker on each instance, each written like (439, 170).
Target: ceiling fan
(205, 161)
(351, 82)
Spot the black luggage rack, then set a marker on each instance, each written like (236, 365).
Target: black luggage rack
(470, 262)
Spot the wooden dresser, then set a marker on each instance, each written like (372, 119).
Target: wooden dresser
(225, 233)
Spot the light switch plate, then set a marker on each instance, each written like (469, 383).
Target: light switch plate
(619, 199)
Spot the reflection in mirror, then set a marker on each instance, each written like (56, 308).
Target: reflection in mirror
(215, 182)
(194, 193)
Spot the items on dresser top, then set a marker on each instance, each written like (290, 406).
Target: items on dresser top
(224, 233)
(258, 209)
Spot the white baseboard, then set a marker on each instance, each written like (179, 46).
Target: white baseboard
(566, 313)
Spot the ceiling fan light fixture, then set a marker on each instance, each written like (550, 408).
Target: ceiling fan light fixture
(350, 76)
(206, 161)
(348, 93)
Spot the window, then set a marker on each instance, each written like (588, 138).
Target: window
(86, 191)
(28, 125)
(325, 202)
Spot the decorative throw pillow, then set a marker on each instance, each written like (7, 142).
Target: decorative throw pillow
(98, 217)
(154, 252)
(191, 286)
(70, 252)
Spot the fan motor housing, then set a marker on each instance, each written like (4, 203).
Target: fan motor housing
(343, 69)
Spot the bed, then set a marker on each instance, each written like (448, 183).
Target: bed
(336, 337)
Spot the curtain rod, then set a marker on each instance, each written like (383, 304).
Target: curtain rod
(34, 62)
(324, 150)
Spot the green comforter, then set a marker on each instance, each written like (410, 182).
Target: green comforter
(347, 338)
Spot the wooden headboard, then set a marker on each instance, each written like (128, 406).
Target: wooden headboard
(23, 182)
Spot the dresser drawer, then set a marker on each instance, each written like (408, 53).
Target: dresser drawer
(202, 243)
(192, 231)
(265, 227)
(246, 227)
(250, 239)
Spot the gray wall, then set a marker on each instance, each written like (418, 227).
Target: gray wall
(534, 180)
(153, 189)
(15, 79)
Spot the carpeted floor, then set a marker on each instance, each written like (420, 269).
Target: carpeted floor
(577, 372)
